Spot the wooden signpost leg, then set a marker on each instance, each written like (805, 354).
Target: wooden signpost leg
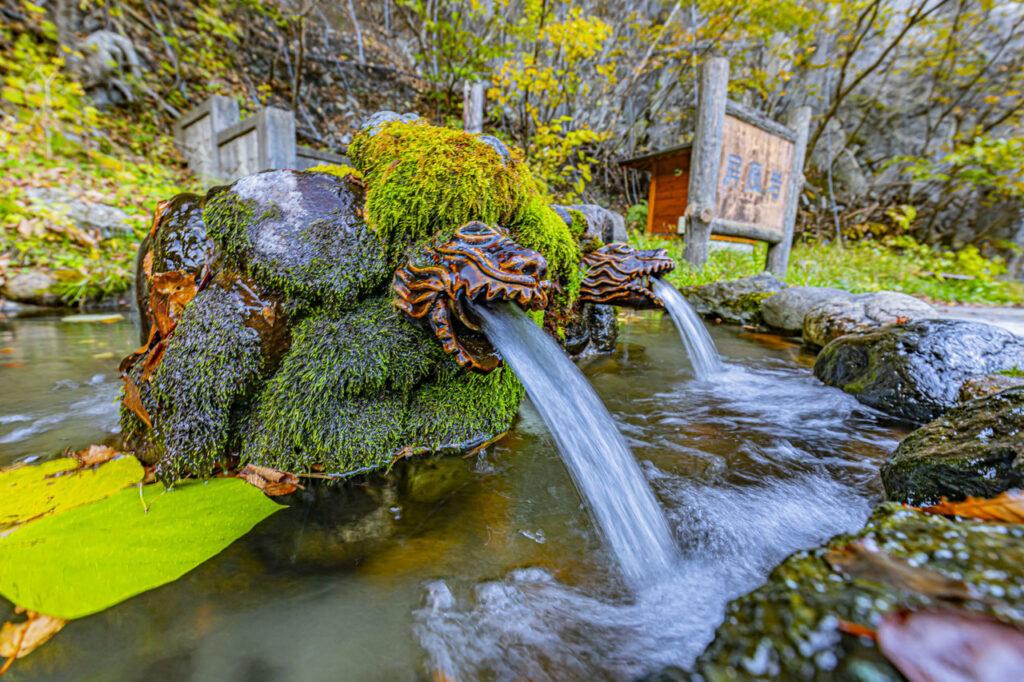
(707, 148)
(778, 254)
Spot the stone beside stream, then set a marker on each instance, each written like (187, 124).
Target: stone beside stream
(975, 449)
(915, 371)
(789, 628)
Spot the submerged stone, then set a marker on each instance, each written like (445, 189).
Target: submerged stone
(790, 628)
(975, 449)
(915, 370)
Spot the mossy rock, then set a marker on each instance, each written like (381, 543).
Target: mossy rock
(292, 354)
(975, 449)
(736, 301)
(789, 628)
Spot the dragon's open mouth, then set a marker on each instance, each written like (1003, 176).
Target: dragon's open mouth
(618, 274)
(480, 264)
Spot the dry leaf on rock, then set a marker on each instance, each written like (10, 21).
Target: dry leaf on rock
(856, 629)
(133, 401)
(270, 481)
(862, 559)
(169, 293)
(952, 646)
(1007, 507)
(95, 454)
(19, 640)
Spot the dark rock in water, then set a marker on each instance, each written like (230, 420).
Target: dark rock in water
(785, 310)
(595, 328)
(431, 479)
(789, 629)
(915, 371)
(975, 449)
(737, 301)
(987, 384)
(856, 314)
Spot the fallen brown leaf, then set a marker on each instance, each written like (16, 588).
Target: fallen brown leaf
(862, 560)
(133, 401)
(147, 264)
(95, 454)
(169, 293)
(271, 481)
(18, 641)
(1007, 507)
(856, 629)
(951, 646)
(153, 358)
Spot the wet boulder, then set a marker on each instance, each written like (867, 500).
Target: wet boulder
(856, 314)
(737, 301)
(785, 310)
(797, 626)
(606, 225)
(593, 328)
(975, 449)
(987, 384)
(914, 371)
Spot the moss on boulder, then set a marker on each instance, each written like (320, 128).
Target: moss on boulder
(789, 628)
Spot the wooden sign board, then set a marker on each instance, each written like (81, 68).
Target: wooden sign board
(753, 177)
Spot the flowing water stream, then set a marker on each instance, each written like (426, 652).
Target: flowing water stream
(487, 567)
(607, 475)
(699, 346)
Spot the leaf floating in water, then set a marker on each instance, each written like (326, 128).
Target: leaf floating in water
(98, 317)
(31, 491)
(1007, 507)
(937, 646)
(270, 481)
(94, 556)
(863, 560)
(21, 639)
(133, 401)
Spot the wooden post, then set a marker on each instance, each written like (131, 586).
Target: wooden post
(799, 121)
(707, 148)
(473, 107)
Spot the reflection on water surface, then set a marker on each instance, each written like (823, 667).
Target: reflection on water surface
(486, 567)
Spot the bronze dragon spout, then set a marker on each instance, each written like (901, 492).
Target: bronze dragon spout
(618, 274)
(480, 264)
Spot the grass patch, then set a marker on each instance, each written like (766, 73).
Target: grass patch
(892, 264)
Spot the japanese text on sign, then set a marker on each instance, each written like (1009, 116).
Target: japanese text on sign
(753, 175)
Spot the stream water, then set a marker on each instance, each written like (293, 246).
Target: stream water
(484, 567)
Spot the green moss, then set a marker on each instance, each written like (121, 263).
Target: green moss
(460, 408)
(213, 361)
(319, 250)
(425, 182)
(339, 170)
(1016, 373)
(356, 390)
(788, 629)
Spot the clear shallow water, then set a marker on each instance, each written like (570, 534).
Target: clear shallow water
(495, 571)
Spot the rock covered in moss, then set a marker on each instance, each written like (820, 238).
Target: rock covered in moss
(915, 371)
(737, 301)
(292, 355)
(36, 287)
(856, 314)
(789, 628)
(975, 449)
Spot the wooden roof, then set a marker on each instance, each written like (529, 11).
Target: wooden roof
(644, 161)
